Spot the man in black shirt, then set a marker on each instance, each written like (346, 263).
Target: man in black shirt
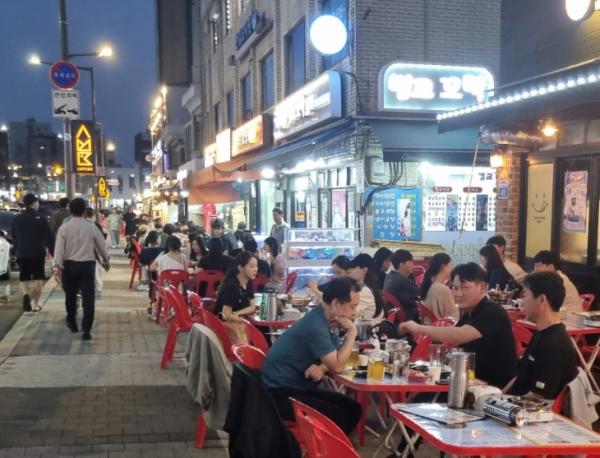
(399, 283)
(484, 327)
(550, 361)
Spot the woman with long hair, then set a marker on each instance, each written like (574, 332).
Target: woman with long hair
(272, 254)
(383, 262)
(197, 251)
(236, 294)
(362, 270)
(172, 258)
(497, 276)
(436, 296)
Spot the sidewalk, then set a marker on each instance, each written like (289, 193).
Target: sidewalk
(60, 396)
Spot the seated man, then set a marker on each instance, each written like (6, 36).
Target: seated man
(499, 242)
(484, 327)
(549, 362)
(546, 261)
(299, 358)
(399, 283)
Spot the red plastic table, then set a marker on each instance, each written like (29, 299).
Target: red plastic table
(490, 437)
(575, 328)
(271, 323)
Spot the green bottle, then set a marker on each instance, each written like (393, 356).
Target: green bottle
(263, 307)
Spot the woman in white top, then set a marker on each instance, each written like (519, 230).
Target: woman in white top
(363, 270)
(436, 296)
(272, 254)
(173, 259)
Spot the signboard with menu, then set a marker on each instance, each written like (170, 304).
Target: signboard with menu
(397, 214)
(255, 134)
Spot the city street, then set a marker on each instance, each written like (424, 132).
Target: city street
(12, 310)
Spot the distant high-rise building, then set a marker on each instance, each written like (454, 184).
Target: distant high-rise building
(142, 146)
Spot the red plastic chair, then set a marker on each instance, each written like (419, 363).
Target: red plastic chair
(421, 350)
(515, 315)
(256, 338)
(587, 299)
(175, 277)
(426, 313)
(259, 283)
(181, 322)
(211, 321)
(559, 402)
(212, 279)
(290, 281)
(249, 356)
(522, 337)
(418, 275)
(395, 312)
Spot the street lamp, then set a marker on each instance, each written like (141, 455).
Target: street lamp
(328, 34)
(110, 146)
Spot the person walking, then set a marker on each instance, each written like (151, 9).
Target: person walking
(78, 244)
(278, 229)
(59, 215)
(129, 218)
(31, 236)
(114, 226)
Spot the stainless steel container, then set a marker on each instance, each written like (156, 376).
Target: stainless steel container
(363, 330)
(459, 379)
(272, 308)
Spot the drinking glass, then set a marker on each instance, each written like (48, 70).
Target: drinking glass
(436, 354)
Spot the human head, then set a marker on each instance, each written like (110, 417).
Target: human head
(402, 260)
(339, 265)
(142, 228)
(63, 202)
(383, 259)
(215, 246)
(217, 227)
(546, 261)
(31, 201)
(469, 285)
(277, 215)
(115, 210)
(359, 266)
(271, 245)
(440, 265)
(77, 206)
(250, 245)
(498, 242)
(490, 258)
(246, 265)
(340, 297)
(169, 229)
(89, 212)
(173, 243)
(543, 295)
(152, 238)
(196, 245)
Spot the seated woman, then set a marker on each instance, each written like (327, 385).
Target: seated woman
(298, 360)
(215, 259)
(362, 270)
(172, 259)
(338, 267)
(235, 298)
(437, 297)
(197, 251)
(497, 276)
(272, 254)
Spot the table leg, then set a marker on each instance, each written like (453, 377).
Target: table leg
(588, 365)
(361, 398)
(375, 407)
(410, 441)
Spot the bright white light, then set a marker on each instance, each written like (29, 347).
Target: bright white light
(501, 101)
(39, 165)
(579, 9)
(267, 173)
(560, 86)
(570, 83)
(106, 51)
(239, 180)
(184, 193)
(300, 196)
(34, 59)
(3, 128)
(551, 88)
(110, 146)
(328, 34)
(525, 94)
(592, 78)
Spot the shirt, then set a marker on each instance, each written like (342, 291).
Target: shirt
(495, 354)
(166, 262)
(572, 302)
(130, 224)
(234, 295)
(515, 270)
(114, 222)
(548, 364)
(440, 301)
(78, 240)
(31, 235)
(405, 290)
(300, 346)
(222, 262)
(278, 231)
(57, 218)
(367, 306)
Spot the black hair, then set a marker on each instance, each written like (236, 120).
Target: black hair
(152, 237)
(29, 199)
(382, 255)
(371, 281)
(401, 256)
(339, 288)
(250, 245)
(549, 284)
(201, 243)
(89, 212)
(341, 261)
(469, 272)
(493, 261)
(215, 247)
(63, 202)
(547, 257)
(173, 243)
(240, 261)
(77, 206)
(233, 253)
(278, 210)
(496, 240)
(217, 223)
(436, 263)
(169, 229)
(272, 243)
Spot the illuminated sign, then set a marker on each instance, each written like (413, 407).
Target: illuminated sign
(210, 155)
(254, 134)
(83, 147)
(157, 152)
(247, 29)
(424, 87)
(102, 187)
(223, 146)
(313, 104)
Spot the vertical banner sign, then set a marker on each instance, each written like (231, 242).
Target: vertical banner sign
(575, 201)
(82, 133)
(102, 187)
(397, 214)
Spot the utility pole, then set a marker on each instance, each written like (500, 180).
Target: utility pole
(64, 51)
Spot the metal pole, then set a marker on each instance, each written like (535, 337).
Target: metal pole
(64, 51)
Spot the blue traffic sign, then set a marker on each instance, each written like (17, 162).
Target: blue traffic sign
(64, 74)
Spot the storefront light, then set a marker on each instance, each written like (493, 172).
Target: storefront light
(328, 34)
(496, 160)
(549, 129)
(578, 10)
(267, 173)
(184, 193)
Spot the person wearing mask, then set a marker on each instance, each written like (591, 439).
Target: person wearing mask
(515, 270)
(363, 271)
(263, 266)
(383, 262)
(498, 277)
(218, 230)
(167, 231)
(550, 361)
(172, 259)
(484, 327)
(114, 221)
(300, 357)
(59, 215)
(215, 259)
(272, 254)
(437, 297)
(32, 236)
(400, 284)
(278, 229)
(78, 245)
(129, 218)
(546, 261)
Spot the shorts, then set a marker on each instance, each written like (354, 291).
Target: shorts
(32, 268)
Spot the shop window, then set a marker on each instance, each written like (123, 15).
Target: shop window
(539, 208)
(230, 110)
(246, 85)
(131, 181)
(343, 176)
(338, 8)
(594, 131)
(296, 58)
(217, 118)
(571, 134)
(267, 77)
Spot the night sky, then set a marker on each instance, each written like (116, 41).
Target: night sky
(125, 83)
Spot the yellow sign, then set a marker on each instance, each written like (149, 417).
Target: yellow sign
(83, 147)
(107, 196)
(102, 190)
(252, 135)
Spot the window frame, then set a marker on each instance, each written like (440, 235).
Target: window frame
(269, 55)
(290, 87)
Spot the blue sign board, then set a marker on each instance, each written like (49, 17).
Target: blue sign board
(247, 29)
(64, 74)
(397, 214)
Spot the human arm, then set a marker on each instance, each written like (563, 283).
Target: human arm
(100, 247)
(335, 361)
(59, 252)
(454, 335)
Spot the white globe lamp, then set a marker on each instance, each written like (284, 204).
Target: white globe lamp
(578, 10)
(328, 34)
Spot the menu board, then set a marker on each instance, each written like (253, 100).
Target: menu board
(397, 214)
(451, 195)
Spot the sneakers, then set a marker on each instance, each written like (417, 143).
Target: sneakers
(143, 287)
(86, 336)
(72, 326)
(26, 303)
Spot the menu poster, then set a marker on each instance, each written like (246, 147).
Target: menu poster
(396, 214)
(452, 212)
(338, 208)
(575, 201)
(481, 220)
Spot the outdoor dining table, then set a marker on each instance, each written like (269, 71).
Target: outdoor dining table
(275, 324)
(489, 437)
(574, 329)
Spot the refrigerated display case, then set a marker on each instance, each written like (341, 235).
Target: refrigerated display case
(310, 252)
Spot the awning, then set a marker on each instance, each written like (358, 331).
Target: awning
(414, 141)
(562, 95)
(214, 184)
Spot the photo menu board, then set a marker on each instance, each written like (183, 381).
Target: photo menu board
(397, 214)
(449, 195)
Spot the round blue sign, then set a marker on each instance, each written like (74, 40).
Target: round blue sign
(64, 75)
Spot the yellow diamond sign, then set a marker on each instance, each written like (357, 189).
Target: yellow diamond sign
(82, 133)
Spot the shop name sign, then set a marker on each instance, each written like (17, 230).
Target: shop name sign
(247, 29)
(83, 147)
(313, 104)
(254, 134)
(220, 151)
(432, 88)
